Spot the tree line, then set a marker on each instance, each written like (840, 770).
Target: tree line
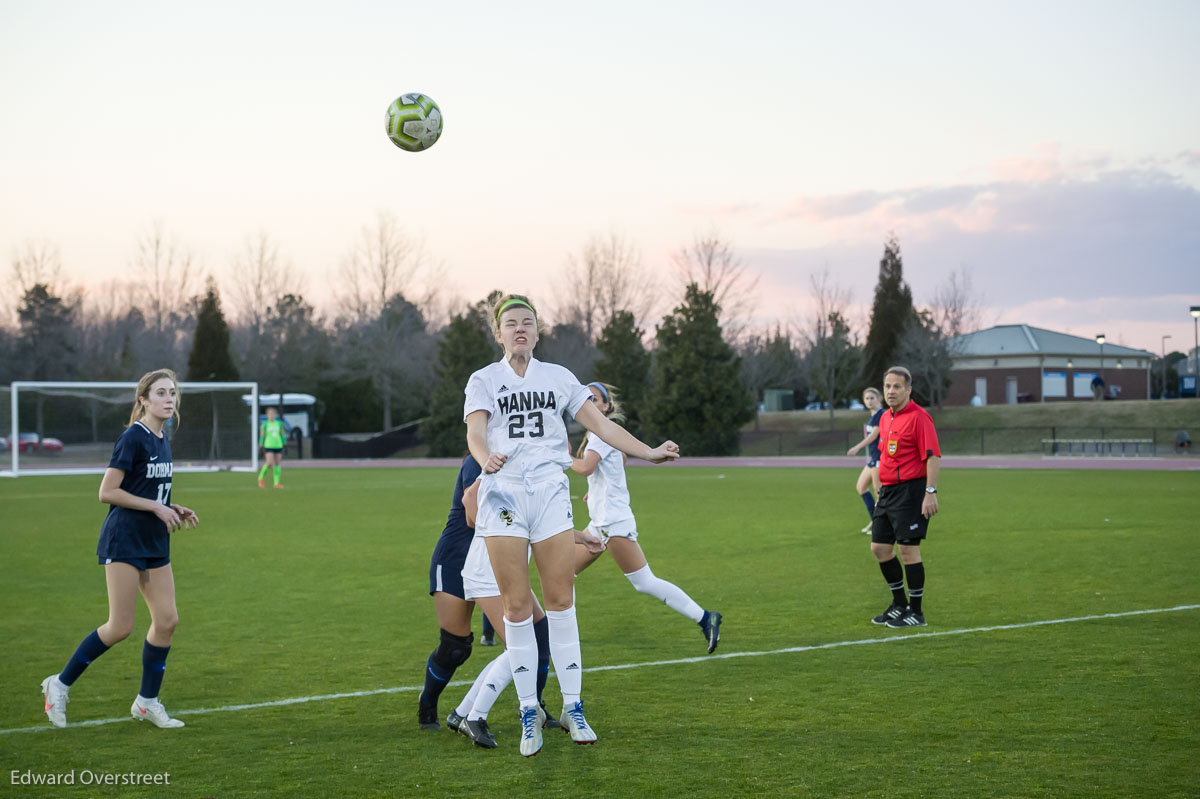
(396, 351)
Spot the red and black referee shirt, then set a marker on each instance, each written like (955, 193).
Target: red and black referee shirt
(906, 440)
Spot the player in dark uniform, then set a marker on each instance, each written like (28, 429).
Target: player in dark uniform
(868, 478)
(454, 611)
(909, 466)
(135, 550)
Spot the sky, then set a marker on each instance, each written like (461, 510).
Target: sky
(1050, 151)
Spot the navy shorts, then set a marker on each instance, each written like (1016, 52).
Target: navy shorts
(446, 565)
(272, 449)
(141, 564)
(873, 462)
(897, 517)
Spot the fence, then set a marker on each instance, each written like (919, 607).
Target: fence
(953, 440)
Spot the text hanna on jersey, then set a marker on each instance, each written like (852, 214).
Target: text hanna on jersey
(526, 401)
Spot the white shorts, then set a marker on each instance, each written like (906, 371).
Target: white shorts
(506, 507)
(626, 528)
(479, 581)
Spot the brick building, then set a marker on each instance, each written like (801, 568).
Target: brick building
(1019, 363)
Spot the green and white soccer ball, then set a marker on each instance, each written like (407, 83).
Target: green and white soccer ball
(414, 122)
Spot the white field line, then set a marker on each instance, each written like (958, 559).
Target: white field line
(299, 700)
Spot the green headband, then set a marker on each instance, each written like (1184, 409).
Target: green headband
(511, 303)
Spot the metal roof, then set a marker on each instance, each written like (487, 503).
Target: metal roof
(1027, 340)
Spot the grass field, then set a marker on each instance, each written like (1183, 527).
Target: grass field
(321, 589)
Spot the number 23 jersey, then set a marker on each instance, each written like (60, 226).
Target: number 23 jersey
(525, 421)
(146, 461)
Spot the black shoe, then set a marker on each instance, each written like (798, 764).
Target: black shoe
(477, 730)
(455, 722)
(427, 716)
(910, 618)
(548, 721)
(487, 640)
(711, 627)
(894, 611)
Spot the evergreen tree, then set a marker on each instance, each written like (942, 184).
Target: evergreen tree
(698, 398)
(45, 347)
(890, 315)
(624, 363)
(466, 345)
(210, 359)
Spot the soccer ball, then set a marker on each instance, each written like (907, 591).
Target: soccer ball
(414, 122)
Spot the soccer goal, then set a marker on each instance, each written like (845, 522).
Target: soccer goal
(70, 427)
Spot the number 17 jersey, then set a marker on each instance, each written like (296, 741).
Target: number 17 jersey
(525, 421)
(146, 461)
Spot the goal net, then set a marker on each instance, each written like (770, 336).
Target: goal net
(70, 427)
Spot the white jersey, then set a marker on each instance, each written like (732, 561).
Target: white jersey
(525, 421)
(608, 495)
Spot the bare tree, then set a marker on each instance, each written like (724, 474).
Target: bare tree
(384, 263)
(382, 298)
(260, 278)
(607, 276)
(712, 264)
(166, 273)
(834, 359)
(36, 263)
(956, 308)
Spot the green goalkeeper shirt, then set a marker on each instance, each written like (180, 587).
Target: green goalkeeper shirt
(270, 435)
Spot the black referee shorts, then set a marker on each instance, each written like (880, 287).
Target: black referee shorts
(897, 517)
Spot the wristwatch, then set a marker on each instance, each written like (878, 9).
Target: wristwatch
(930, 490)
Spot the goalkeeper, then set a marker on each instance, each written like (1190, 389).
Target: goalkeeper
(272, 435)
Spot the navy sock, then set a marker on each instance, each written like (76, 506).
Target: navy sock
(915, 572)
(88, 650)
(488, 629)
(894, 574)
(154, 665)
(703, 620)
(435, 682)
(541, 633)
(869, 500)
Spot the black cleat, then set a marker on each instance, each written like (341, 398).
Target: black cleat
(427, 717)
(477, 730)
(455, 722)
(710, 625)
(548, 721)
(909, 618)
(894, 611)
(487, 640)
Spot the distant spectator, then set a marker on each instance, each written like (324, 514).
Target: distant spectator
(1183, 443)
(1098, 387)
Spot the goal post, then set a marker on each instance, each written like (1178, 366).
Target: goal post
(57, 428)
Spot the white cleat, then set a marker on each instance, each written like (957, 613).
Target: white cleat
(531, 731)
(576, 725)
(55, 695)
(152, 710)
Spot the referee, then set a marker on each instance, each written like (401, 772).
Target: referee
(909, 463)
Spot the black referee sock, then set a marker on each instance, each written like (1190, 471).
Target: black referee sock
(915, 573)
(894, 574)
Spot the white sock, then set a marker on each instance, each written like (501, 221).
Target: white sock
(496, 678)
(521, 645)
(468, 701)
(564, 652)
(645, 582)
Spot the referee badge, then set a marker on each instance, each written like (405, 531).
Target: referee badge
(892, 446)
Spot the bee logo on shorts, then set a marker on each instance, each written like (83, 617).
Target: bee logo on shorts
(506, 516)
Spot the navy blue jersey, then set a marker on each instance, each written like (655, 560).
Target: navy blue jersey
(450, 552)
(873, 447)
(146, 460)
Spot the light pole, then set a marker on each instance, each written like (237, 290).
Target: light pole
(1164, 367)
(1100, 341)
(1196, 348)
